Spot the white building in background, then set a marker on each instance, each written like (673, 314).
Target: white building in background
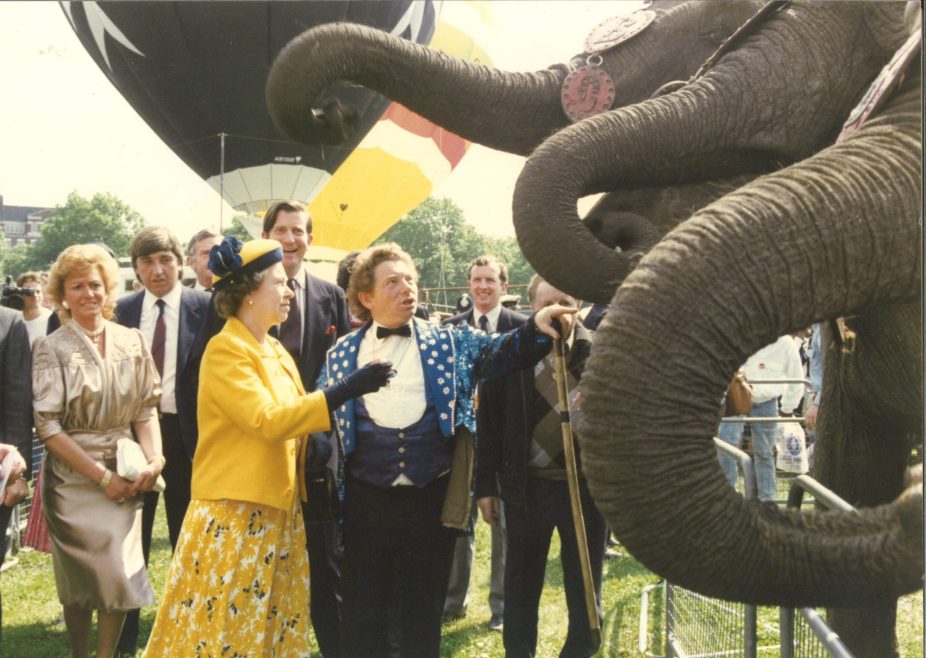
(22, 224)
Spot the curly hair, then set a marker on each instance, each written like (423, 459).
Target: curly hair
(362, 278)
(79, 258)
(228, 300)
(26, 277)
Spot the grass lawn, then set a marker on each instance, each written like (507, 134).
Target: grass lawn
(31, 628)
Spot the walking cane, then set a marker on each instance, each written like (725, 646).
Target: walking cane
(572, 477)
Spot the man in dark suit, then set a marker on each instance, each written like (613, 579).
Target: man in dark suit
(319, 316)
(487, 281)
(520, 459)
(176, 322)
(15, 415)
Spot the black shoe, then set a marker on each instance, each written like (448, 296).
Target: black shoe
(496, 623)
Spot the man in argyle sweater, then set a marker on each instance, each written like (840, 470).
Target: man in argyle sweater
(519, 459)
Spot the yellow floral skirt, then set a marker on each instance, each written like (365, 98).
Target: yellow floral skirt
(238, 584)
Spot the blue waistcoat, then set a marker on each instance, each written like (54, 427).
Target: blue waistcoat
(381, 454)
(452, 359)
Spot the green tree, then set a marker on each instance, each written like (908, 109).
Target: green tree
(509, 252)
(4, 252)
(437, 237)
(237, 229)
(101, 218)
(17, 260)
(442, 245)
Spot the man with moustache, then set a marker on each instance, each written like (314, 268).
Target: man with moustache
(400, 445)
(318, 316)
(176, 323)
(487, 281)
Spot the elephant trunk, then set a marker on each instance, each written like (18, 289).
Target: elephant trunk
(510, 112)
(594, 156)
(830, 236)
(708, 130)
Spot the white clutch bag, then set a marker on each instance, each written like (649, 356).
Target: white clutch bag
(130, 459)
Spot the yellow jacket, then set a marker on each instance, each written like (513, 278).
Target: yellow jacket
(253, 417)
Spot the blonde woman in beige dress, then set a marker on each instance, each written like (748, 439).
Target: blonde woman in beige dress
(94, 382)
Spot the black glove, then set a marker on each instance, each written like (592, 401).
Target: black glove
(317, 454)
(367, 379)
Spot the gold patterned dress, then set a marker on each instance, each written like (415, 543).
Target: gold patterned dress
(238, 583)
(96, 542)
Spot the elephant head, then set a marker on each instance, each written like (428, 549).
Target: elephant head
(837, 234)
(773, 100)
(512, 112)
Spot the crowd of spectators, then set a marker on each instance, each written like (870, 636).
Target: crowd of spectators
(326, 449)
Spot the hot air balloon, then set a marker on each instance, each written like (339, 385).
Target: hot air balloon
(195, 72)
(403, 158)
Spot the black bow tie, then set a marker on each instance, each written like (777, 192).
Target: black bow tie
(385, 332)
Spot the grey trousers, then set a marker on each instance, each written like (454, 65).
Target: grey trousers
(460, 569)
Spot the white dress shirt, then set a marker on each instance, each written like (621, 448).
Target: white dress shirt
(491, 317)
(149, 316)
(402, 401)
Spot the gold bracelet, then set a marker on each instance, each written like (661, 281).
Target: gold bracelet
(107, 478)
(161, 460)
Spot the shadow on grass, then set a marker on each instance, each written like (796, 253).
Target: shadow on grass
(49, 640)
(623, 581)
(623, 566)
(469, 637)
(39, 640)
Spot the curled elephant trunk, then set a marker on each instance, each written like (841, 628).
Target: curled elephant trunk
(576, 162)
(833, 235)
(511, 112)
(710, 129)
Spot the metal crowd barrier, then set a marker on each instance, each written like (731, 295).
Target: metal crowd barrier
(697, 625)
(700, 627)
(808, 635)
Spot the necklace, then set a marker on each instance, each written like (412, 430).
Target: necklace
(94, 336)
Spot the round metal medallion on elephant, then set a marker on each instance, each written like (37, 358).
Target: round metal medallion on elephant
(587, 91)
(617, 29)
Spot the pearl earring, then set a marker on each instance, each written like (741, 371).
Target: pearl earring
(65, 305)
(250, 302)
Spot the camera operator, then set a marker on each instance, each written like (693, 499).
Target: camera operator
(35, 315)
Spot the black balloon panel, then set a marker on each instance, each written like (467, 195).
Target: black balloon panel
(194, 70)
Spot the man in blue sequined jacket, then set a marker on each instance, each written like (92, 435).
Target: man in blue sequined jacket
(399, 445)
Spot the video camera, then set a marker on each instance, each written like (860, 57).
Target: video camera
(13, 296)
